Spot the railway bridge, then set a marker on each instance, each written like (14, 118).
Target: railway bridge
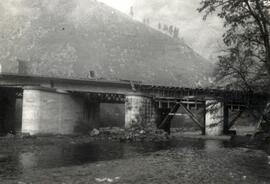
(51, 105)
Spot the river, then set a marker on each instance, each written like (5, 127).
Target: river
(181, 160)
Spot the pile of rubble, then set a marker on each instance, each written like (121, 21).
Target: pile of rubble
(110, 133)
(13, 135)
(137, 134)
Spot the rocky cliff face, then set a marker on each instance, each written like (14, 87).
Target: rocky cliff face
(70, 38)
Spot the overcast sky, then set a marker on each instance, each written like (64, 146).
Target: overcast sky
(122, 5)
(203, 36)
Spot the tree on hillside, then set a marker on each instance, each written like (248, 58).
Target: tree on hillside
(165, 27)
(175, 32)
(246, 61)
(171, 29)
(131, 12)
(159, 25)
(148, 21)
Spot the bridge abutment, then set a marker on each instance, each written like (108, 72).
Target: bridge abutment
(140, 112)
(49, 112)
(214, 118)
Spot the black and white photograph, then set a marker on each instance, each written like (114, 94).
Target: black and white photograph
(134, 91)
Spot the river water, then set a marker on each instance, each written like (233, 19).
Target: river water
(195, 157)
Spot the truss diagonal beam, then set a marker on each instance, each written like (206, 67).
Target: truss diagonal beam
(232, 122)
(193, 117)
(169, 117)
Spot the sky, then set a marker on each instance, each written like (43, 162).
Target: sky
(205, 37)
(122, 5)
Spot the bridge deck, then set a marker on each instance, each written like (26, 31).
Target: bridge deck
(118, 88)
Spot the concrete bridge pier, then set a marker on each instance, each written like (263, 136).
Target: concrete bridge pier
(140, 112)
(47, 111)
(216, 118)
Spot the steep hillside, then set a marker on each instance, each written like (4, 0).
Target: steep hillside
(71, 38)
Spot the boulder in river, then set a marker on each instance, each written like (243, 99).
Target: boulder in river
(94, 132)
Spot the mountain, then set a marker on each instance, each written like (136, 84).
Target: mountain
(204, 36)
(70, 38)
